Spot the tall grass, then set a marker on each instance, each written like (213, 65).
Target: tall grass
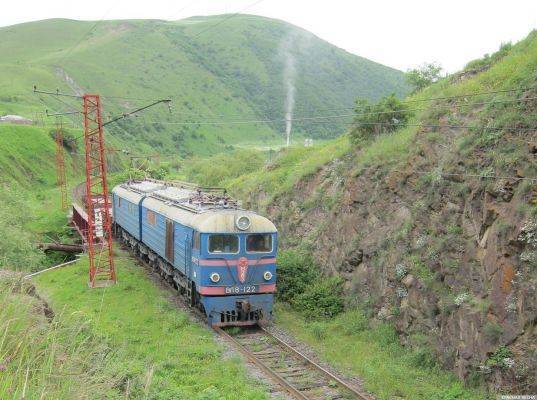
(159, 353)
(387, 149)
(373, 352)
(47, 358)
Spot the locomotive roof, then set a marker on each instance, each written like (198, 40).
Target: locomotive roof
(204, 209)
(145, 186)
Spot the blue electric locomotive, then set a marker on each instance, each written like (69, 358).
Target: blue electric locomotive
(223, 258)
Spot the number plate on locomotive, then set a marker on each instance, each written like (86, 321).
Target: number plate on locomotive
(241, 289)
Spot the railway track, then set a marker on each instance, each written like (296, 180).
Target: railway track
(292, 370)
(297, 374)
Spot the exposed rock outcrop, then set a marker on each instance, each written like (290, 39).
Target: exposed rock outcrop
(451, 257)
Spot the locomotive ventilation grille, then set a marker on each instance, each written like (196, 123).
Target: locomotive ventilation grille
(235, 315)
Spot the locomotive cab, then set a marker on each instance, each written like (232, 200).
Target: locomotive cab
(236, 260)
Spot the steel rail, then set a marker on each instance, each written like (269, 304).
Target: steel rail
(280, 379)
(325, 372)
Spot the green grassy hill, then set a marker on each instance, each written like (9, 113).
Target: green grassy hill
(233, 70)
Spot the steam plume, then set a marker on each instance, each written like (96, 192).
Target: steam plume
(289, 78)
(289, 75)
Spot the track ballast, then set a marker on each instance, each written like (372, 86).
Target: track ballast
(297, 374)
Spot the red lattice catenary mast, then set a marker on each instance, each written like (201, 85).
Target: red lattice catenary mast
(99, 236)
(98, 232)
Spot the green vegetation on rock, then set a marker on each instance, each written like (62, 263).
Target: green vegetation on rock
(17, 251)
(387, 115)
(302, 284)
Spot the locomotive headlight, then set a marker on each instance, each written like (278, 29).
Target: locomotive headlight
(267, 275)
(243, 222)
(215, 277)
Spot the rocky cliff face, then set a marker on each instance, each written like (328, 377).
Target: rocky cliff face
(448, 256)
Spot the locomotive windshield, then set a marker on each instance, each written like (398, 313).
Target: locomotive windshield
(223, 244)
(259, 243)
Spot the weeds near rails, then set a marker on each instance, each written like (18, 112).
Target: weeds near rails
(234, 330)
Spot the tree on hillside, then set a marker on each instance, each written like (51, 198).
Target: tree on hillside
(385, 116)
(423, 76)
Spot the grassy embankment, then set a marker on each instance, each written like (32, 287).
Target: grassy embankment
(30, 199)
(127, 341)
(156, 350)
(389, 370)
(275, 173)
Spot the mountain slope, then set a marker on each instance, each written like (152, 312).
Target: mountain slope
(236, 70)
(431, 227)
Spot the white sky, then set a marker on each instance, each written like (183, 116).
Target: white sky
(401, 34)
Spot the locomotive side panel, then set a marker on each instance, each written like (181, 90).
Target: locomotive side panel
(154, 231)
(181, 254)
(156, 235)
(126, 214)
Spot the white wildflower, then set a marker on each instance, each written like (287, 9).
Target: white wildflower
(434, 257)
(401, 270)
(511, 306)
(528, 233)
(529, 256)
(401, 292)
(508, 362)
(485, 369)
(461, 298)
(421, 241)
